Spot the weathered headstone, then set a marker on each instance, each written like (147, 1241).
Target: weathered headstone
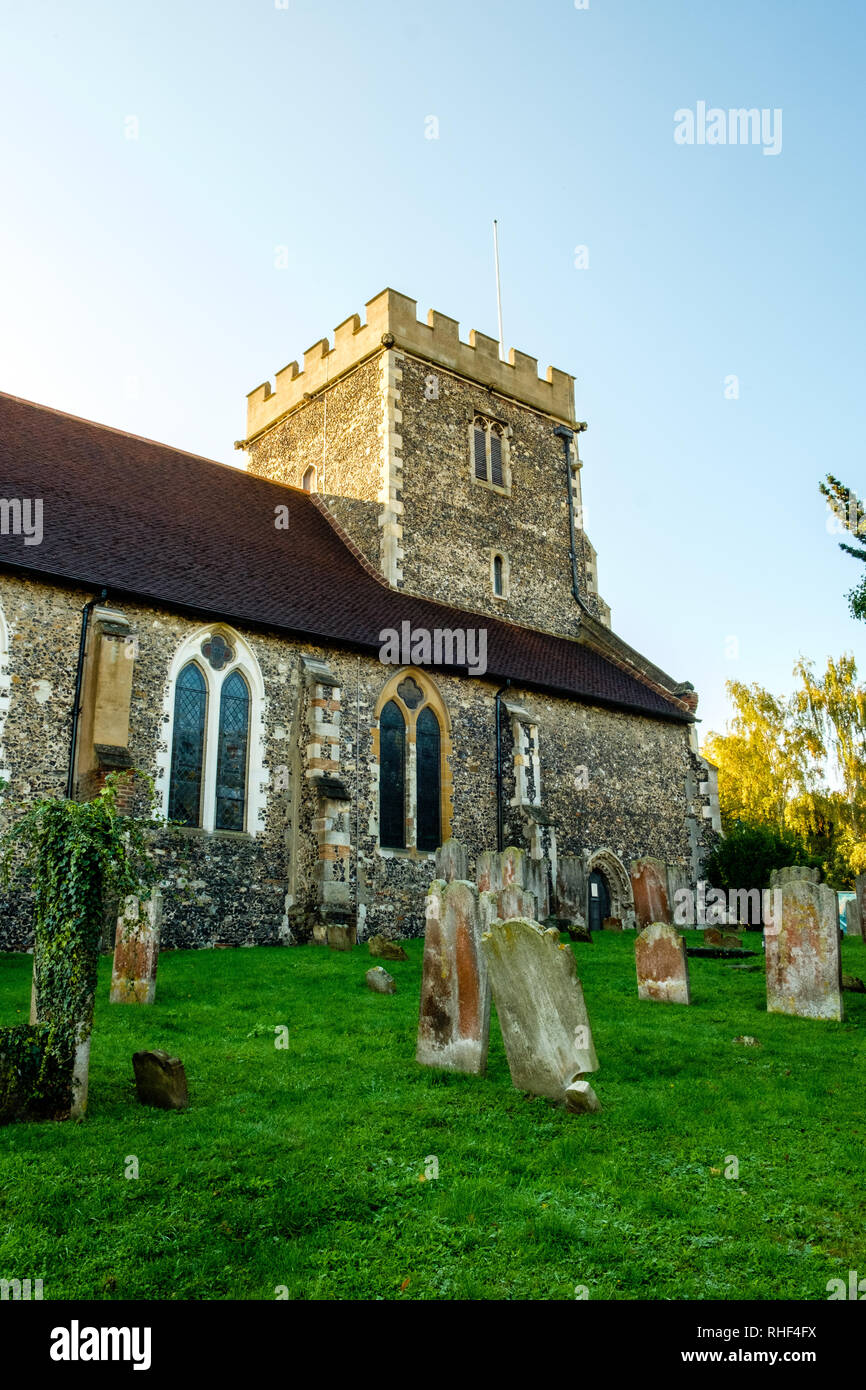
(794, 873)
(160, 1080)
(515, 868)
(649, 886)
(452, 861)
(860, 890)
(801, 943)
(853, 920)
(136, 951)
(611, 924)
(541, 1009)
(661, 964)
(340, 937)
(512, 901)
(454, 1017)
(380, 981)
(571, 891)
(385, 949)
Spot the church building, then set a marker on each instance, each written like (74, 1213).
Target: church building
(383, 633)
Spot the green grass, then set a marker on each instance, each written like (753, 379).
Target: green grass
(300, 1167)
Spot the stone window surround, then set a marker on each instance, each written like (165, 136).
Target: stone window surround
(432, 700)
(505, 432)
(244, 661)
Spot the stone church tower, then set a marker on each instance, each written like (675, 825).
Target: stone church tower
(456, 475)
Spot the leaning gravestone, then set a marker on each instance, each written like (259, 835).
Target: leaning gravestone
(379, 981)
(452, 861)
(853, 920)
(649, 886)
(541, 1010)
(662, 965)
(454, 1017)
(801, 942)
(136, 951)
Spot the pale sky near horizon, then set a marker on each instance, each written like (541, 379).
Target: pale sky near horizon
(140, 281)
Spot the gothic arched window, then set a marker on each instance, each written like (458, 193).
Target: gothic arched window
(187, 754)
(215, 764)
(234, 731)
(392, 777)
(490, 453)
(429, 818)
(414, 771)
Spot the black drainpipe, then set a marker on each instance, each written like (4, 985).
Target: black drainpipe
(566, 435)
(500, 829)
(76, 699)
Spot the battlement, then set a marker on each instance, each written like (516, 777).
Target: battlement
(393, 316)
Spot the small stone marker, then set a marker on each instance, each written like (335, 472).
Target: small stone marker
(452, 861)
(611, 924)
(580, 1098)
(853, 984)
(454, 1017)
(385, 949)
(340, 938)
(136, 951)
(160, 1080)
(380, 981)
(542, 1013)
(804, 970)
(662, 965)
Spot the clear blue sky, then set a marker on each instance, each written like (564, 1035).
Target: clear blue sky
(139, 284)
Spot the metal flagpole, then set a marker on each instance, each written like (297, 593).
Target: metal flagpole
(498, 287)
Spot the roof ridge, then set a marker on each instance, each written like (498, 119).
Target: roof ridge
(126, 434)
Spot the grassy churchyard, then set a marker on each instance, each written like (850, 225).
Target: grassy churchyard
(310, 1170)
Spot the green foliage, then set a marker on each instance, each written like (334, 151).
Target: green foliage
(851, 517)
(798, 765)
(303, 1167)
(748, 854)
(76, 857)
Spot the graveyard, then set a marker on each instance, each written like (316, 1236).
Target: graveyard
(317, 1159)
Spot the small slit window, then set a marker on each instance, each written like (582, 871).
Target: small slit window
(498, 585)
(309, 479)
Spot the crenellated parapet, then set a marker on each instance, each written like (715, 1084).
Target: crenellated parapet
(392, 322)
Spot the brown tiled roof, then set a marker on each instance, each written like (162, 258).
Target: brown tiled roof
(142, 519)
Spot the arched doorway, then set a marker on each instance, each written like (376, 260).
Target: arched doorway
(598, 895)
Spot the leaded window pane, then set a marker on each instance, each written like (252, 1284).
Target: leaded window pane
(234, 731)
(427, 752)
(187, 754)
(392, 778)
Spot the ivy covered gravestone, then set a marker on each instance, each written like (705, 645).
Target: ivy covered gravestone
(75, 855)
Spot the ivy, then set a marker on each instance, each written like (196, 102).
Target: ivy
(77, 857)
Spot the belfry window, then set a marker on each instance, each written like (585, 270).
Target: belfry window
(490, 452)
